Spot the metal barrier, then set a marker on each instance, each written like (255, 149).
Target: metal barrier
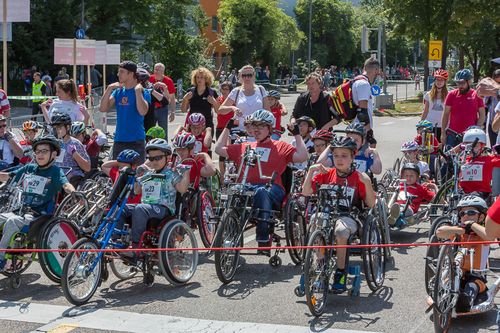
(395, 87)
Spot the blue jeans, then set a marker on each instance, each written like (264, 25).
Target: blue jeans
(266, 198)
(140, 215)
(161, 116)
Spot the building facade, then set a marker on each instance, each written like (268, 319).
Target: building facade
(216, 49)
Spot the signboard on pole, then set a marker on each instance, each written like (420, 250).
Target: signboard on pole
(434, 63)
(113, 54)
(9, 31)
(85, 51)
(17, 11)
(435, 50)
(100, 52)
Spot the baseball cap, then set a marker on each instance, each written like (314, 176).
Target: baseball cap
(129, 65)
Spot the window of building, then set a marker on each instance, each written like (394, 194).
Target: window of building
(215, 23)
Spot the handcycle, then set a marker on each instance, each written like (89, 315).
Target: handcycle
(320, 261)
(86, 268)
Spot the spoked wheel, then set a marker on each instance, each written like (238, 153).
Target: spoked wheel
(121, 269)
(432, 254)
(444, 293)
(179, 266)
(75, 206)
(295, 230)
(373, 257)
(205, 218)
(228, 233)
(59, 234)
(87, 185)
(438, 177)
(317, 273)
(381, 216)
(17, 263)
(81, 272)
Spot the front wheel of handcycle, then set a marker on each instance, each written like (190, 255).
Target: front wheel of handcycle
(317, 273)
(205, 218)
(58, 234)
(444, 291)
(295, 230)
(373, 257)
(228, 233)
(178, 266)
(74, 206)
(81, 272)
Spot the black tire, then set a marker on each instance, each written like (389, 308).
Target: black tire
(178, 267)
(432, 253)
(440, 221)
(438, 178)
(317, 273)
(228, 233)
(441, 199)
(205, 214)
(76, 272)
(295, 230)
(74, 206)
(59, 233)
(443, 293)
(397, 165)
(373, 257)
(121, 270)
(381, 216)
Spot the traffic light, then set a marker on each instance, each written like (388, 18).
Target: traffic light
(365, 42)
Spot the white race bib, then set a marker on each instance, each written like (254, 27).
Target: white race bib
(361, 165)
(349, 193)
(34, 184)
(60, 158)
(472, 172)
(264, 153)
(198, 146)
(151, 191)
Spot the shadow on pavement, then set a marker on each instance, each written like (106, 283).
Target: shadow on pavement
(30, 289)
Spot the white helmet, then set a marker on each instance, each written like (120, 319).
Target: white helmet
(263, 116)
(472, 133)
(473, 201)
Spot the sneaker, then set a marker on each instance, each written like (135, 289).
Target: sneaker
(394, 214)
(339, 282)
(400, 223)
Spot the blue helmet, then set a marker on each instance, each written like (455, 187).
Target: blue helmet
(463, 75)
(274, 93)
(128, 156)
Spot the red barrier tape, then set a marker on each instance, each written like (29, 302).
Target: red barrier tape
(352, 246)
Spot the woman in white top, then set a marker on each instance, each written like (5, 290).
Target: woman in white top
(67, 103)
(247, 98)
(434, 100)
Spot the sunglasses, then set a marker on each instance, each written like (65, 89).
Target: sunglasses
(41, 151)
(155, 158)
(468, 213)
(246, 75)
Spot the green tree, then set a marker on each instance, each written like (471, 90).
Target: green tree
(257, 30)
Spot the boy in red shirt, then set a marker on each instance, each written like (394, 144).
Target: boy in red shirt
(359, 189)
(195, 124)
(128, 158)
(410, 173)
(278, 110)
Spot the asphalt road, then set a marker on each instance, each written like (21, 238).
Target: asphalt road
(261, 299)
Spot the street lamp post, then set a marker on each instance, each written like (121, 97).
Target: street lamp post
(310, 41)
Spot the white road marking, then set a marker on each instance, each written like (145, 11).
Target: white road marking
(388, 123)
(54, 316)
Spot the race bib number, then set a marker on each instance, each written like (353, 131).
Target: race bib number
(472, 172)
(348, 193)
(361, 165)
(34, 184)
(151, 191)
(264, 153)
(198, 146)
(60, 158)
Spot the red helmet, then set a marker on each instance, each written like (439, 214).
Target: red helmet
(441, 74)
(323, 135)
(196, 119)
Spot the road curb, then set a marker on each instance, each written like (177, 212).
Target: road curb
(387, 113)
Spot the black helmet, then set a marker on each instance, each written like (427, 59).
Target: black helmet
(144, 65)
(142, 74)
(356, 128)
(60, 119)
(344, 142)
(48, 140)
(308, 120)
(411, 166)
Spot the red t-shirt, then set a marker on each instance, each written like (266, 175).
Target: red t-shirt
(198, 145)
(464, 109)
(168, 81)
(223, 119)
(275, 157)
(476, 175)
(25, 144)
(418, 139)
(195, 171)
(93, 148)
(356, 188)
(114, 173)
(494, 211)
(277, 114)
(423, 195)
(4, 102)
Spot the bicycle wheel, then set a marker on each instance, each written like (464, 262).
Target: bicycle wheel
(59, 233)
(381, 217)
(397, 165)
(121, 269)
(432, 253)
(295, 230)
(81, 272)
(317, 273)
(205, 218)
(373, 257)
(228, 233)
(444, 289)
(178, 267)
(74, 206)
(17, 263)
(438, 177)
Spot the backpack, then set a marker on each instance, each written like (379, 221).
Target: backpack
(342, 101)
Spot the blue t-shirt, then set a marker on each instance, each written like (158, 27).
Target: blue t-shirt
(129, 122)
(363, 164)
(40, 186)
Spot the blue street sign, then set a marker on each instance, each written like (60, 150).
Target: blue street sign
(80, 33)
(376, 90)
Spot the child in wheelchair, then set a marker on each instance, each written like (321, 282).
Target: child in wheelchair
(411, 152)
(195, 124)
(359, 191)
(41, 182)
(473, 285)
(426, 139)
(410, 190)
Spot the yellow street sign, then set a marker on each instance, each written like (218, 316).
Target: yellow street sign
(435, 49)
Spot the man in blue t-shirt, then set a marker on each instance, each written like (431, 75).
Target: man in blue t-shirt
(132, 102)
(41, 182)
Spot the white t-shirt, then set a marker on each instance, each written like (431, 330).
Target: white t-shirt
(362, 91)
(309, 145)
(67, 107)
(436, 108)
(248, 104)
